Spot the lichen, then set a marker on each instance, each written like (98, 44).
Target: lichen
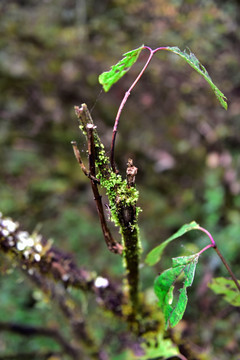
(29, 245)
(101, 282)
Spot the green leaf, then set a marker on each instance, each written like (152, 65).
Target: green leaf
(155, 254)
(172, 306)
(155, 348)
(191, 59)
(159, 348)
(227, 288)
(107, 79)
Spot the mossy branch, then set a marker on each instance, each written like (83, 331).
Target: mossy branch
(122, 196)
(38, 259)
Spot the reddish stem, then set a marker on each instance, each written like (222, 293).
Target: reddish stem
(208, 234)
(127, 94)
(228, 268)
(214, 245)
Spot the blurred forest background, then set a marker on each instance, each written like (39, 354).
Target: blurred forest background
(184, 144)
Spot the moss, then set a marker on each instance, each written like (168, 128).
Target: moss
(81, 127)
(119, 194)
(101, 158)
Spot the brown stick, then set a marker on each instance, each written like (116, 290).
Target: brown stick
(91, 153)
(112, 150)
(79, 159)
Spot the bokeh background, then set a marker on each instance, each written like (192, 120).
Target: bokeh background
(184, 144)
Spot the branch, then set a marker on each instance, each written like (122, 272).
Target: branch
(122, 197)
(52, 268)
(27, 330)
(79, 159)
(91, 150)
(227, 267)
(53, 271)
(37, 256)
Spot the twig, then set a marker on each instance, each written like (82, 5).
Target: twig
(91, 152)
(227, 267)
(79, 159)
(27, 330)
(32, 356)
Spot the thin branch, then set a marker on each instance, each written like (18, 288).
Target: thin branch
(27, 330)
(32, 356)
(91, 152)
(79, 159)
(227, 267)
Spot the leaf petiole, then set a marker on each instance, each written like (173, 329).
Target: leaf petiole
(205, 248)
(208, 234)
